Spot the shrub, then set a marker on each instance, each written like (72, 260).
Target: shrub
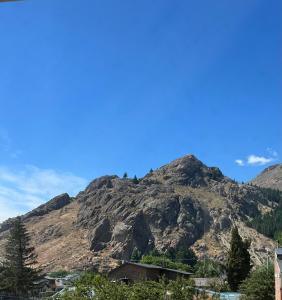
(259, 285)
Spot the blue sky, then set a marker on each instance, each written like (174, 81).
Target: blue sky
(89, 88)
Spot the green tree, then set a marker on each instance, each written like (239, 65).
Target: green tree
(239, 261)
(18, 272)
(136, 255)
(181, 289)
(278, 236)
(147, 290)
(135, 179)
(259, 285)
(125, 175)
(270, 224)
(209, 268)
(155, 252)
(170, 253)
(186, 256)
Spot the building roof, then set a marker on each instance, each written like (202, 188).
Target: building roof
(152, 267)
(40, 281)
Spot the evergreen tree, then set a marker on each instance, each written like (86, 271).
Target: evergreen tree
(209, 268)
(18, 274)
(259, 285)
(170, 253)
(151, 171)
(155, 252)
(186, 256)
(125, 175)
(136, 255)
(135, 180)
(239, 261)
(270, 224)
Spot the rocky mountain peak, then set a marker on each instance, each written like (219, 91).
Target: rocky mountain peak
(101, 182)
(271, 177)
(188, 170)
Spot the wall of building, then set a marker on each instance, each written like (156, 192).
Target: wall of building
(134, 273)
(277, 271)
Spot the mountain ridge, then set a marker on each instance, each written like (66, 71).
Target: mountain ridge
(183, 203)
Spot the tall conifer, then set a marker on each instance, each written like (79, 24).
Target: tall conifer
(239, 261)
(18, 274)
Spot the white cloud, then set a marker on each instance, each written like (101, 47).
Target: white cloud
(239, 162)
(254, 160)
(25, 189)
(257, 160)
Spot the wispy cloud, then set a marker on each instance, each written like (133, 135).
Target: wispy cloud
(239, 162)
(25, 189)
(258, 160)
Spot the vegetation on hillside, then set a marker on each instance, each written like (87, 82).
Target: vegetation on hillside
(270, 224)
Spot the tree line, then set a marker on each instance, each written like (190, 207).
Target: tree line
(270, 224)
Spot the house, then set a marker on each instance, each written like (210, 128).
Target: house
(59, 283)
(40, 286)
(132, 272)
(278, 272)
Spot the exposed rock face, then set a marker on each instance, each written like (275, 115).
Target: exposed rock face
(271, 177)
(170, 207)
(184, 203)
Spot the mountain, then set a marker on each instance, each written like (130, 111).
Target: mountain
(184, 203)
(271, 177)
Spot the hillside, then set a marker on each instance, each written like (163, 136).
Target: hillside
(184, 203)
(271, 177)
